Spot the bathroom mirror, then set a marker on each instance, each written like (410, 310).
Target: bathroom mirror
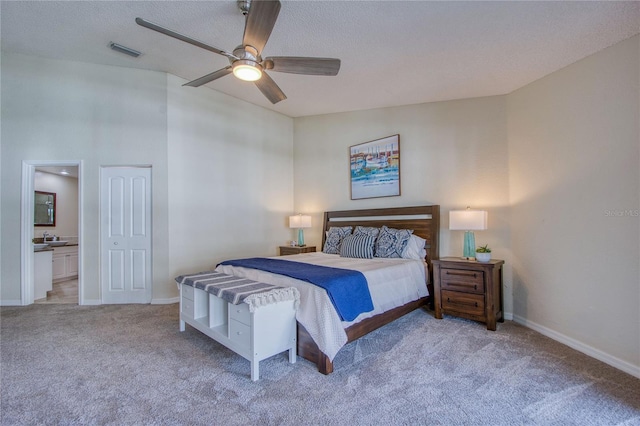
(45, 209)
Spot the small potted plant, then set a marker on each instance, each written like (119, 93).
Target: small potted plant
(483, 253)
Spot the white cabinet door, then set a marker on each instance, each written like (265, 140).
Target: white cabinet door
(65, 262)
(125, 234)
(72, 264)
(59, 266)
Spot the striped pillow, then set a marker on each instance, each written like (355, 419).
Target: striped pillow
(359, 246)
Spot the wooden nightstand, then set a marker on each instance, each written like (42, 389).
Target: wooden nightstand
(285, 250)
(469, 289)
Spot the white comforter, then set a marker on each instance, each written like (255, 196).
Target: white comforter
(392, 283)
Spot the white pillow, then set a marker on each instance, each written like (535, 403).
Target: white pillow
(415, 248)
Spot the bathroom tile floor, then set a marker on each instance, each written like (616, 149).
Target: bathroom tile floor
(63, 292)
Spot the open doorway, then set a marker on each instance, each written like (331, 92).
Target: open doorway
(51, 232)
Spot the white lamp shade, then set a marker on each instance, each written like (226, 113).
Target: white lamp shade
(300, 221)
(467, 220)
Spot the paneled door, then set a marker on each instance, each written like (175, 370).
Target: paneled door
(125, 234)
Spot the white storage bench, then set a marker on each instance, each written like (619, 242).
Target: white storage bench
(256, 326)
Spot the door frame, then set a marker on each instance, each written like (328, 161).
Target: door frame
(26, 227)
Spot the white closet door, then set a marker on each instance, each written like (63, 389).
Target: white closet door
(125, 234)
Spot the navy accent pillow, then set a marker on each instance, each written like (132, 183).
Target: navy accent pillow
(392, 242)
(359, 246)
(334, 239)
(367, 230)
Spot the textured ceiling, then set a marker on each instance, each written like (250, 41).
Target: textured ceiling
(70, 171)
(392, 52)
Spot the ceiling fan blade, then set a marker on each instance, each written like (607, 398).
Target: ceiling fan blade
(182, 37)
(270, 89)
(300, 65)
(260, 21)
(209, 77)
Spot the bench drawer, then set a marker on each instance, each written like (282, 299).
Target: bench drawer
(187, 291)
(240, 334)
(187, 307)
(240, 313)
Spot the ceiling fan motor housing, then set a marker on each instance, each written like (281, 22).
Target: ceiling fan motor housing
(247, 53)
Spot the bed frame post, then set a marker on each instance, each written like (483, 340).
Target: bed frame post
(308, 349)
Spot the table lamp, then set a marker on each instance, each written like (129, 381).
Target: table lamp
(300, 221)
(468, 221)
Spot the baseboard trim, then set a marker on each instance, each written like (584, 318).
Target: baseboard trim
(508, 316)
(625, 366)
(91, 302)
(11, 302)
(165, 301)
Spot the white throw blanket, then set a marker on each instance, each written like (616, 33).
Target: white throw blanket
(236, 290)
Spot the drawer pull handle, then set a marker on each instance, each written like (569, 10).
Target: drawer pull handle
(464, 285)
(238, 333)
(455, 302)
(464, 274)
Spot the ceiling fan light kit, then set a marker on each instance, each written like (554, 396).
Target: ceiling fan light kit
(247, 70)
(246, 62)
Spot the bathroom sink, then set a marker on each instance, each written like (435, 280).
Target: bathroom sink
(40, 246)
(57, 243)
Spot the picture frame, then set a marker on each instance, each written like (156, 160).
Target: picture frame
(375, 168)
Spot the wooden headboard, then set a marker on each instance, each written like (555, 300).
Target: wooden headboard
(424, 220)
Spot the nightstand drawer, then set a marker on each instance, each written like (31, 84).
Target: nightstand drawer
(462, 280)
(472, 304)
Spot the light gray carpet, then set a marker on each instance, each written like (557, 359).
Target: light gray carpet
(128, 364)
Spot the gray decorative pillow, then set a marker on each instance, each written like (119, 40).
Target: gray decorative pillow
(359, 246)
(392, 242)
(334, 239)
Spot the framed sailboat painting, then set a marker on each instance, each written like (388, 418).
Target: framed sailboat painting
(375, 168)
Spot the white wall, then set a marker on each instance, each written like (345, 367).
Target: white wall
(222, 168)
(63, 111)
(451, 153)
(231, 178)
(66, 190)
(574, 157)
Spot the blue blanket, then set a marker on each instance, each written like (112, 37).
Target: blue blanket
(347, 289)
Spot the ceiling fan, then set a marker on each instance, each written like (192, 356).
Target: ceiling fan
(246, 61)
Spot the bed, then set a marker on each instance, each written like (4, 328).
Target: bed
(326, 332)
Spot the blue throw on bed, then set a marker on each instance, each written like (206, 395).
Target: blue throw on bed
(347, 289)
